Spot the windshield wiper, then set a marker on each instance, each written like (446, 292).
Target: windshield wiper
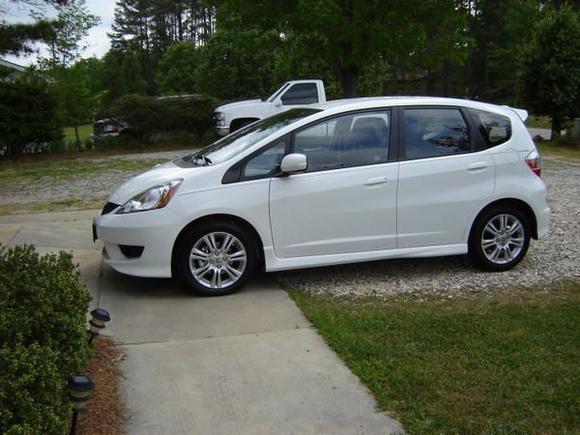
(206, 160)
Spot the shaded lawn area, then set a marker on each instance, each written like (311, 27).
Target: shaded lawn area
(463, 366)
(85, 132)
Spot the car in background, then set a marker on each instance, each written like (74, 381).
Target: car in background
(107, 128)
(341, 182)
(294, 93)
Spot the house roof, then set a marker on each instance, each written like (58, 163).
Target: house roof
(11, 65)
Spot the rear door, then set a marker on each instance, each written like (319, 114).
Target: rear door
(443, 177)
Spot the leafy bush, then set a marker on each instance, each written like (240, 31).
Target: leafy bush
(43, 339)
(28, 115)
(140, 112)
(148, 115)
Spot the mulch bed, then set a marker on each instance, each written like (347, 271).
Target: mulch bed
(105, 412)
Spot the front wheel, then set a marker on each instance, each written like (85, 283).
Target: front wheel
(216, 259)
(500, 239)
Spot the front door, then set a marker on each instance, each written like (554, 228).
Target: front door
(346, 199)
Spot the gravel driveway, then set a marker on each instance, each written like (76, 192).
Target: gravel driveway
(96, 187)
(556, 257)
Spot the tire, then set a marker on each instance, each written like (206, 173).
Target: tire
(499, 239)
(208, 267)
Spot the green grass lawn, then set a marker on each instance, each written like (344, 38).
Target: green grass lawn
(463, 366)
(564, 152)
(85, 132)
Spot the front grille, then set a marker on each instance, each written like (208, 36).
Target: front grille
(109, 207)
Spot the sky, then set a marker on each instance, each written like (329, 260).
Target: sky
(97, 40)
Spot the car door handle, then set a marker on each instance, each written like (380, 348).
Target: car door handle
(376, 180)
(477, 166)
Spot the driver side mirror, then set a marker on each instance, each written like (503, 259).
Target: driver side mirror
(293, 163)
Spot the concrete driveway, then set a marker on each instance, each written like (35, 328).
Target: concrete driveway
(248, 363)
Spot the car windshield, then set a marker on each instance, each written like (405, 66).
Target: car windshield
(239, 141)
(278, 92)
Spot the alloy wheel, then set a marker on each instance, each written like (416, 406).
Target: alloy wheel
(503, 238)
(217, 260)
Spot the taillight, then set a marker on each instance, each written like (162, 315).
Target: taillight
(534, 161)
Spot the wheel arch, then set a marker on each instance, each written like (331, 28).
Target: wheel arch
(223, 217)
(235, 123)
(521, 205)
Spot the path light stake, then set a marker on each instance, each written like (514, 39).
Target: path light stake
(98, 322)
(79, 388)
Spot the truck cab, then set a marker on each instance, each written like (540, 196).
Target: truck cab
(233, 116)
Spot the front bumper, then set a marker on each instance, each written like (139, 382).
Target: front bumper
(155, 231)
(222, 131)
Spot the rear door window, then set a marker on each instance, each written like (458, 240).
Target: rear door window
(495, 129)
(435, 132)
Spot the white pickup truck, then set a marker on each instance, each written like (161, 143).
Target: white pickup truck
(233, 116)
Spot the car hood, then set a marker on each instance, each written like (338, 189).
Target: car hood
(155, 176)
(237, 105)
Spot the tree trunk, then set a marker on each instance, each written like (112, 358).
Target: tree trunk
(78, 138)
(556, 126)
(349, 80)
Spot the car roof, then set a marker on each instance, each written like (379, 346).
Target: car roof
(374, 102)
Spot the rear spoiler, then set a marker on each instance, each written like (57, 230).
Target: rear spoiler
(523, 114)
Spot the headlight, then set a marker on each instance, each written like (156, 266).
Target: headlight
(151, 199)
(220, 118)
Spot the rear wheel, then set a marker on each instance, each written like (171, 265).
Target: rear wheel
(216, 258)
(500, 239)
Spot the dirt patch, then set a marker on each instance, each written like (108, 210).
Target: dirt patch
(105, 412)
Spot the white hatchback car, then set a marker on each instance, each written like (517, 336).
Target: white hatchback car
(348, 181)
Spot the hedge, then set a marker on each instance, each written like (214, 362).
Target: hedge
(148, 115)
(43, 339)
(28, 116)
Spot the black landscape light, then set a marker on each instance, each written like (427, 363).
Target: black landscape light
(79, 388)
(100, 317)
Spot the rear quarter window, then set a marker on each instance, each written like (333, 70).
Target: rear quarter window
(495, 129)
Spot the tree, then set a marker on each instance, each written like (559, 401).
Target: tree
(123, 74)
(72, 25)
(239, 64)
(352, 34)
(28, 113)
(150, 27)
(551, 67)
(70, 84)
(75, 102)
(176, 70)
(17, 38)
